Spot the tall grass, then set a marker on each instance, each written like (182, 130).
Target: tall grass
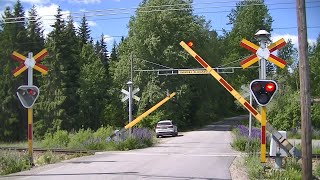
(242, 141)
(291, 169)
(90, 140)
(11, 162)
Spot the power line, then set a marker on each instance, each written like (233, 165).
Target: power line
(167, 5)
(126, 17)
(207, 12)
(154, 63)
(149, 11)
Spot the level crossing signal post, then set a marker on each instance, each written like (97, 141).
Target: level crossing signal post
(246, 63)
(262, 54)
(28, 94)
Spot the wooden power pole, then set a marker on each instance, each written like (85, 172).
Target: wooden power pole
(305, 98)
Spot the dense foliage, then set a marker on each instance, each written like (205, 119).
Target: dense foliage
(82, 88)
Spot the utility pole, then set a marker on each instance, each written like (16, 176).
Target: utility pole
(131, 67)
(305, 98)
(130, 85)
(130, 104)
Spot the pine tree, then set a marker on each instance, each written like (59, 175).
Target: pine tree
(84, 31)
(13, 38)
(50, 112)
(93, 89)
(35, 31)
(101, 49)
(62, 82)
(114, 53)
(71, 70)
(35, 36)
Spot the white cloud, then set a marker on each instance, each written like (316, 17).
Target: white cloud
(47, 14)
(293, 38)
(92, 23)
(85, 1)
(108, 39)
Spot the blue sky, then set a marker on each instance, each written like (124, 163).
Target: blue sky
(113, 19)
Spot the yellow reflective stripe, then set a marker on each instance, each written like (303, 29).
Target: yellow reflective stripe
(276, 45)
(138, 119)
(40, 69)
(276, 62)
(263, 134)
(19, 71)
(249, 45)
(249, 63)
(20, 56)
(41, 53)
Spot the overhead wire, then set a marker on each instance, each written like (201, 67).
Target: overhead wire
(147, 11)
(164, 5)
(154, 63)
(126, 17)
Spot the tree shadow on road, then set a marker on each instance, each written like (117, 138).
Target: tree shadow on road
(226, 124)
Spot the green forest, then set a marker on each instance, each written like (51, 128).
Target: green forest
(82, 89)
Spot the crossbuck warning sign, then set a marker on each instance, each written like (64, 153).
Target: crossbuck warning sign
(260, 53)
(127, 94)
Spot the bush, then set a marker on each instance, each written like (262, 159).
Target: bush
(47, 158)
(11, 162)
(103, 132)
(292, 171)
(59, 139)
(241, 141)
(254, 168)
(128, 144)
(83, 139)
(317, 170)
(141, 138)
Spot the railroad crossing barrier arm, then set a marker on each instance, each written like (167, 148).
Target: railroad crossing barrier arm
(279, 138)
(143, 115)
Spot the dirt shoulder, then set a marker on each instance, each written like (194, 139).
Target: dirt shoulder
(238, 170)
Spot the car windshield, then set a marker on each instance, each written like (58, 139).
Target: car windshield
(164, 123)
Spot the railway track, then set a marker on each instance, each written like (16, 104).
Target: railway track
(55, 150)
(76, 151)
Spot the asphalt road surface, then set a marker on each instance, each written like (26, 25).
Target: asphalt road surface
(201, 154)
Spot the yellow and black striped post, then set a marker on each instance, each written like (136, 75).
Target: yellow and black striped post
(30, 134)
(263, 134)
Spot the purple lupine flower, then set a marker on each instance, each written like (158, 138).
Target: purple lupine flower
(141, 134)
(244, 131)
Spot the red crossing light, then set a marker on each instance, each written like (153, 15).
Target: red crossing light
(263, 90)
(190, 44)
(270, 87)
